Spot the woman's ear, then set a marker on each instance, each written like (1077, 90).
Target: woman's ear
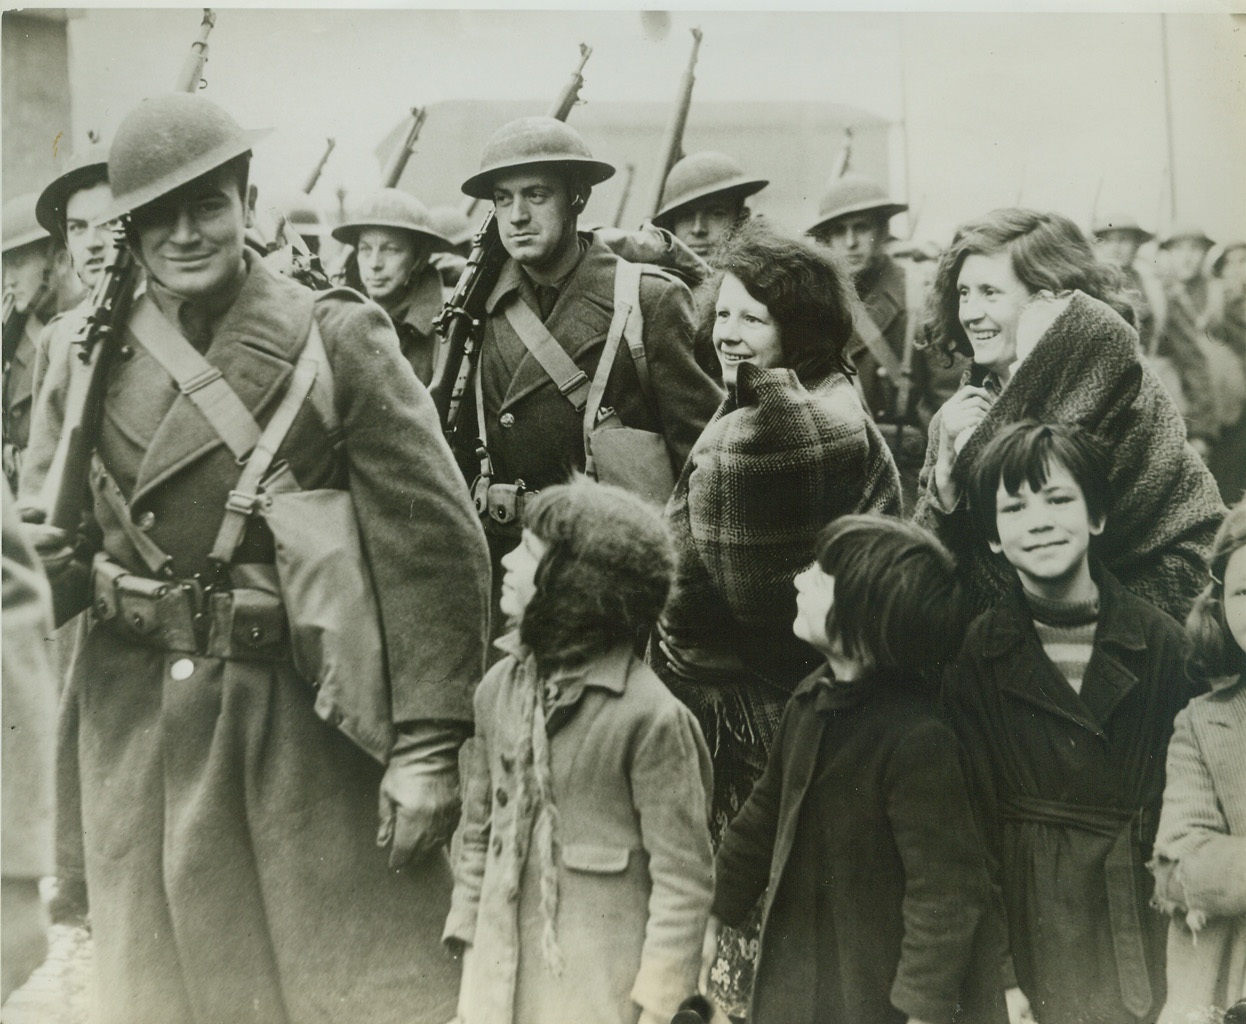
(1096, 529)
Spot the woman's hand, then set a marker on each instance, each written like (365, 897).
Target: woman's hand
(1019, 1011)
(959, 418)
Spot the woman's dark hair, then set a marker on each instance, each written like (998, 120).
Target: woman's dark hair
(1213, 651)
(898, 601)
(1026, 450)
(807, 292)
(1048, 252)
(604, 576)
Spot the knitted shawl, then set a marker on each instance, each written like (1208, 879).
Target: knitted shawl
(776, 463)
(1165, 506)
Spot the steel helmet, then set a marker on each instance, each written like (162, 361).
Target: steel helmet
(86, 168)
(1120, 222)
(1214, 263)
(1185, 231)
(704, 174)
(166, 142)
(390, 208)
(20, 226)
(451, 223)
(854, 193)
(534, 140)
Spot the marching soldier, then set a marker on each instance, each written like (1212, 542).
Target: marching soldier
(393, 238)
(704, 199)
(547, 323)
(231, 825)
(853, 222)
(29, 302)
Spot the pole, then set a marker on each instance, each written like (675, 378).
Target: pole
(1168, 120)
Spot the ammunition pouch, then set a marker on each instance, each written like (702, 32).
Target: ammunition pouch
(502, 504)
(240, 623)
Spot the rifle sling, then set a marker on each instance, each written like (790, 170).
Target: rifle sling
(867, 330)
(545, 349)
(196, 378)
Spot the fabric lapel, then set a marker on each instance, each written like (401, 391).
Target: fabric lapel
(804, 747)
(255, 347)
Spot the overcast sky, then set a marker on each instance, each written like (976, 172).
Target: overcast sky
(1049, 108)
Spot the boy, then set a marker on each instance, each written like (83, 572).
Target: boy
(1064, 697)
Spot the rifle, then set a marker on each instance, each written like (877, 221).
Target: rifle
(314, 177)
(672, 140)
(461, 321)
(629, 175)
(845, 155)
(398, 162)
(65, 492)
(191, 79)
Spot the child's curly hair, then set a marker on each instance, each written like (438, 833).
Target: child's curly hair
(1214, 651)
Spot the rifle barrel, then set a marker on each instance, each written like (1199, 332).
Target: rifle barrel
(314, 177)
(398, 162)
(673, 136)
(191, 79)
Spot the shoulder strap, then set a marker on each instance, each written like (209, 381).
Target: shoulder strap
(867, 330)
(244, 497)
(570, 379)
(626, 297)
(196, 378)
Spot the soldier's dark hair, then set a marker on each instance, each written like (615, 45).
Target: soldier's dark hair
(808, 293)
(1026, 451)
(1213, 651)
(97, 176)
(605, 574)
(1048, 251)
(899, 603)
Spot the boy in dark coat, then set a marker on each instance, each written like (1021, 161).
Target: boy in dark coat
(878, 904)
(1064, 697)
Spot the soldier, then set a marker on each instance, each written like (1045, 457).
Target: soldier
(558, 289)
(1183, 331)
(704, 199)
(1117, 240)
(29, 302)
(231, 830)
(393, 238)
(853, 219)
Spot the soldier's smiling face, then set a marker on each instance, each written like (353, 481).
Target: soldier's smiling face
(534, 215)
(191, 239)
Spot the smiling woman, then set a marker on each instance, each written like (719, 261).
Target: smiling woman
(1051, 339)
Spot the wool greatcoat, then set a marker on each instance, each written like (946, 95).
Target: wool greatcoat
(878, 905)
(534, 434)
(413, 320)
(1068, 786)
(231, 849)
(630, 776)
(1086, 369)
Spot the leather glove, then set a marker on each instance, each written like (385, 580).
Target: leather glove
(419, 798)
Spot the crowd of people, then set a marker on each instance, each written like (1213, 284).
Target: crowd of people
(775, 633)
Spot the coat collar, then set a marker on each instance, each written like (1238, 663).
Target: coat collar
(589, 287)
(609, 671)
(422, 302)
(1107, 679)
(255, 344)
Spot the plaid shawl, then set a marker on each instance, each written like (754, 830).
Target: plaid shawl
(1165, 506)
(777, 462)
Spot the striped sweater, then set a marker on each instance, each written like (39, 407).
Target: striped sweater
(1066, 630)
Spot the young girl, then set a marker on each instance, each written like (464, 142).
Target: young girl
(1200, 849)
(583, 880)
(878, 903)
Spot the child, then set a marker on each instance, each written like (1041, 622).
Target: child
(1064, 696)
(583, 880)
(1200, 849)
(878, 904)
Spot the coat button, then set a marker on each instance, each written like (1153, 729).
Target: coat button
(502, 797)
(182, 669)
(146, 521)
(255, 634)
(507, 420)
(508, 763)
(497, 846)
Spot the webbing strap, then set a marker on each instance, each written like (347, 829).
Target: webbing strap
(626, 300)
(569, 378)
(867, 330)
(196, 378)
(243, 498)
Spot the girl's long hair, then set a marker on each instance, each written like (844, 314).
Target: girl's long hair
(1213, 650)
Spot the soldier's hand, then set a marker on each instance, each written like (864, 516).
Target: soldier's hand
(419, 805)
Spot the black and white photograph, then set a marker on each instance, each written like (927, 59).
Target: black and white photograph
(618, 516)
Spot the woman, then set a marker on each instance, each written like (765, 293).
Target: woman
(1022, 293)
(789, 450)
(393, 236)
